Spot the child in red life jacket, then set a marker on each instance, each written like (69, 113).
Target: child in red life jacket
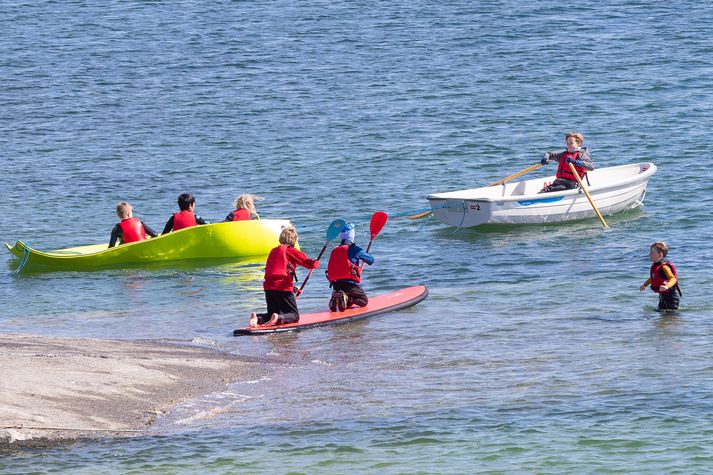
(663, 277)
(279, 277)
(244, 206)
(184, 218)
(575, 154)
(344, 273)
(130, 229)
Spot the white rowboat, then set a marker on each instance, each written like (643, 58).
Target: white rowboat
(613, 189)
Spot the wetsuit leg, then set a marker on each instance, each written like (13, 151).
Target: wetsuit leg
(559, 184)
(288, 308)
(274, 300)
(355, 292)
(668, 301)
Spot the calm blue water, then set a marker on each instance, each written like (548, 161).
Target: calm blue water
(535, 351)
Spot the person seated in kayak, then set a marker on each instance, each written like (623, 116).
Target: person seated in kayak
(129, 229)
(577, 155)
(184, 218)
(244, 206)
(279, 280)
(344, 272)
(663, 277)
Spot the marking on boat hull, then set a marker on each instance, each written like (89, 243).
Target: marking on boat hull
(543, 200)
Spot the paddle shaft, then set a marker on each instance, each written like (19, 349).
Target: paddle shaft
(304, 282)
(586, 192)
(361, 266)
(515, 175)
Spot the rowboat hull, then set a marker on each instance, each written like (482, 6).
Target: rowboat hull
(613, 189)
(237, 239)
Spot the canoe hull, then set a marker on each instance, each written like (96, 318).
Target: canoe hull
(613, 189)
(238, 239)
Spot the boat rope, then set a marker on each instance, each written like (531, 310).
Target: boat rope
(410, 214)
(427, 212)
(23, 260)
(462, 219)
(78, 429)
(428, 219)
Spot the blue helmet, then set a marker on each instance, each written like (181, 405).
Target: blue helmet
(347, 233)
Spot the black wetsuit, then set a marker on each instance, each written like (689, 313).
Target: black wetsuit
(169, 224)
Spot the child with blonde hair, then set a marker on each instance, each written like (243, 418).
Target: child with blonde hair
(244, 206)
(279, 280)
(129, 229)
(575, 154)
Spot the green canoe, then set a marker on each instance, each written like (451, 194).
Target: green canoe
(236, 239)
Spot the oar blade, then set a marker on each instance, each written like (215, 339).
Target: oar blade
(378, 220)
(335, 227)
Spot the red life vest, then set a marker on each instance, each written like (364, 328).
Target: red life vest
(340, 267)
(563, 170)
(241, 215)
(659, 277)
(279, 271)
(132, 230)
(184, 219)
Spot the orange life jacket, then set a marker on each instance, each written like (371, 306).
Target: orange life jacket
(183, 219)
(279, 271)
(658, 276)
(132, 230)
(563, 170)
(241, 215)
(340, 267)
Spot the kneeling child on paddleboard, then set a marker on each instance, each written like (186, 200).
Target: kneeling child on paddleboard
(279, 281)
(344, 272)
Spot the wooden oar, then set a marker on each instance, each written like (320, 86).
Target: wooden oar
(586, 192)
(335, 227)
(420, 215)
(515, 175)
(378, 220)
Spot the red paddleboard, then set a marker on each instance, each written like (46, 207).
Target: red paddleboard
(377, 305)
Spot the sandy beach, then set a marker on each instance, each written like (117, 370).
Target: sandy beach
(58, 389)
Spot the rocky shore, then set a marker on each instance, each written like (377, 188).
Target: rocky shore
(57, 389)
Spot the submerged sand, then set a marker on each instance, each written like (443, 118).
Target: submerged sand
(58, 389)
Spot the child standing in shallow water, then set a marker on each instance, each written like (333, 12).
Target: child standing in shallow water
(279, 281)
(663, 277)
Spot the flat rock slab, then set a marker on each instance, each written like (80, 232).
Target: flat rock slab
(58, 389)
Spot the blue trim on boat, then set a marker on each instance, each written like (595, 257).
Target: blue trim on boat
(543, 200)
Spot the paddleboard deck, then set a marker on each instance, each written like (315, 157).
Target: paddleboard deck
(378, 305)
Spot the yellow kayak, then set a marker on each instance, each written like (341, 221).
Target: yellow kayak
(236, 239)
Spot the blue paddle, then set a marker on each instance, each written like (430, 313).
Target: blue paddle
(335, 227)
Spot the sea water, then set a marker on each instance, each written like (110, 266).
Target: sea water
(535, 351)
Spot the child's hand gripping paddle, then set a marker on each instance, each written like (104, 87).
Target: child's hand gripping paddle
(335, 227)
(378, 220)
